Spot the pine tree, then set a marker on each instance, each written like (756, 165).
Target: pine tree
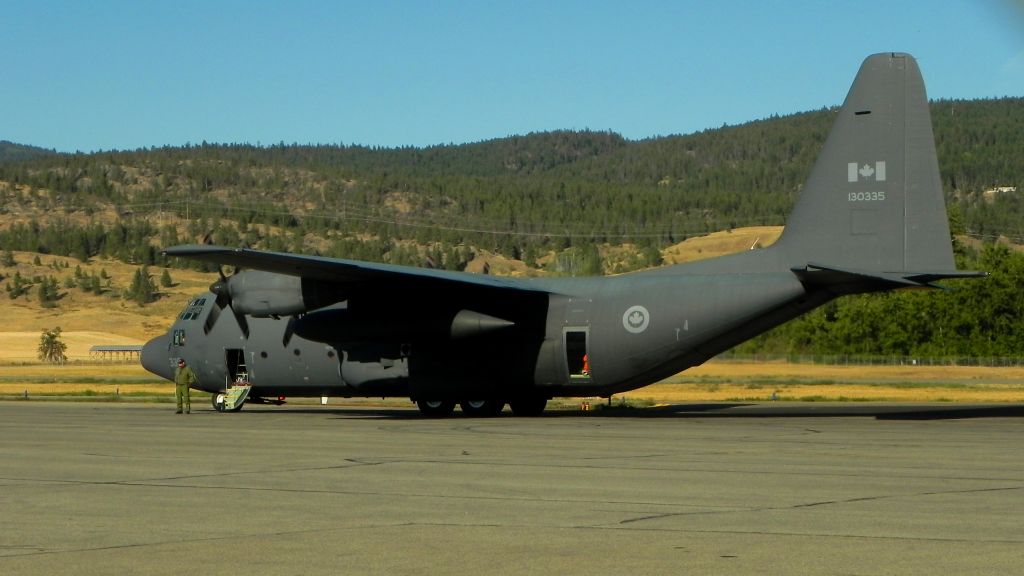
(17, 286)
(48, 292)
(141, 291)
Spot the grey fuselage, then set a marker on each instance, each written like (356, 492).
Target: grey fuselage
(634, 329)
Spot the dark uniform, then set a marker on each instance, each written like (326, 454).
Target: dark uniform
(183, 378)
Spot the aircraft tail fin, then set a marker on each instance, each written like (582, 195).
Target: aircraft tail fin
(873, 201)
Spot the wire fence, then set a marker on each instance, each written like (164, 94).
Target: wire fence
(71, 361)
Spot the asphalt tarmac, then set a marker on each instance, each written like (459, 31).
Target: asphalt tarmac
(105, 488)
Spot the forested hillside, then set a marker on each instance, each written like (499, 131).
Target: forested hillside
(11, 152)
(532, 198)
(520, 194)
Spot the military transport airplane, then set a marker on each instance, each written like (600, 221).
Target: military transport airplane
(871, 217)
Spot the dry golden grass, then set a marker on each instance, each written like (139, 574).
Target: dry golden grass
(726, 380)
(715, 381)
(108, 316)
(78, 389)
(74, 379)
(681, 393)
(721, 243)
(68, 372)
(23, 346)
(499, 265)
(746, 370)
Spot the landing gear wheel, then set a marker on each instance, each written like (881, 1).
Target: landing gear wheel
(528, 406)
(435, 408)
(482, 408)
(219, 403)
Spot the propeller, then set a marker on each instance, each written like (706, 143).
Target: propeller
(289, 330)
(222, 290)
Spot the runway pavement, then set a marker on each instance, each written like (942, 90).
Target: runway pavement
(105, 488)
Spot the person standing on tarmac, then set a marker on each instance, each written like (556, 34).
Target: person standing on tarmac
(184, 377)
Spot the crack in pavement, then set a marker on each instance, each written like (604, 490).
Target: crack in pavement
(821, 503)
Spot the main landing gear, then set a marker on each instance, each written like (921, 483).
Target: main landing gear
(435, 408)
(481, 408)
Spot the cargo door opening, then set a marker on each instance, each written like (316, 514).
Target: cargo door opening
(236, 385)
(576, 359)
(237, 372)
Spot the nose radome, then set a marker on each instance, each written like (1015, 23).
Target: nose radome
(156, 357)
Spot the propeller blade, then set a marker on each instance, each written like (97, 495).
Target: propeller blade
(211, 318)
(221, 289)
(243, 324)
(289, 331)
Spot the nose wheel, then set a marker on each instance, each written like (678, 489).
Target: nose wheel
(222, 403)
(218, 401)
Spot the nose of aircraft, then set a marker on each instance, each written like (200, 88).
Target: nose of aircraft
(156, 357)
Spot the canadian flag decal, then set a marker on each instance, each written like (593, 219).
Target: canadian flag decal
(856, 172)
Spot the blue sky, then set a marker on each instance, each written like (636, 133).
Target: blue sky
(121, 75)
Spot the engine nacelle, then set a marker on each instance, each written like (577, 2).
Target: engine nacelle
(342, 325)
(262, 294)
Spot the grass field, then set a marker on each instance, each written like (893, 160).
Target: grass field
(726, 381)
(714, 381)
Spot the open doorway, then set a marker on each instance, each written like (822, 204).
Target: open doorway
(576, 359)
(237, 371)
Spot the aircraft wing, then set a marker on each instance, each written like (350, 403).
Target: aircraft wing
(340, 271)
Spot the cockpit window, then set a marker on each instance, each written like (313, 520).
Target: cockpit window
(193, 309)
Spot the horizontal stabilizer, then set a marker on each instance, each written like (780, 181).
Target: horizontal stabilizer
(848, 281)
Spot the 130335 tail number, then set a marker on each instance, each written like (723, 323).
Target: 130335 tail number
(866, 196)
